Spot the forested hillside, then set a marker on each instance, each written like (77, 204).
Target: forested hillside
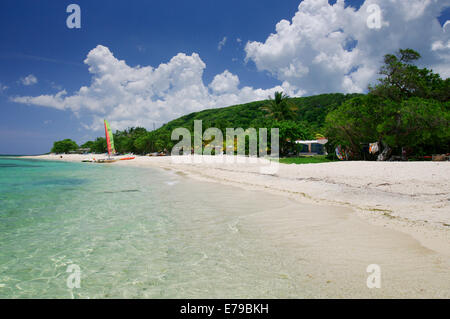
(309, 121)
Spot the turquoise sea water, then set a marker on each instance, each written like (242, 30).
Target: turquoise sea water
(133, 232)
(150, 233)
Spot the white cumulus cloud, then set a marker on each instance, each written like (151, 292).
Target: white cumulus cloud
(29, 80)
(330, 48)
(225, 82)
(143, 95)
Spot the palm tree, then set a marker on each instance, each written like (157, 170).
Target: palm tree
(280, 108)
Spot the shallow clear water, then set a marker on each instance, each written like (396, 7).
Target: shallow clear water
(134, 232)
(151, 233)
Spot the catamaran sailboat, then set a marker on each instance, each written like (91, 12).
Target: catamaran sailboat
(110, 144)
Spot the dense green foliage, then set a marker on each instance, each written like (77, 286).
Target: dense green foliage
(409, 108)
(97, 146)
(64, 146)
(307, 117)
(280, 108)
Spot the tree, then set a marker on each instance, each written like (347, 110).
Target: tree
(143, 144)
(125, 140)
(64, 146)
(88, 144)
(402, 79)
(289, 132)
(353, 123)
(417, 123)
(280, 108)
(408, 108)
(100, 145)
(421, 124)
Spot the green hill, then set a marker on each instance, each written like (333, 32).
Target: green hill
(309, 120)
(312, 111)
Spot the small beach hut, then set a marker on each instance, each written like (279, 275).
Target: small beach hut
(313, 147)
(80, 151)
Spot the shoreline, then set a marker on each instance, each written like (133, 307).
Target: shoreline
(409, 197)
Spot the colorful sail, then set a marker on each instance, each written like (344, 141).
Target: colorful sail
(109, 138)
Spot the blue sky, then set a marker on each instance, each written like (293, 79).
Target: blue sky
(40, 57)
